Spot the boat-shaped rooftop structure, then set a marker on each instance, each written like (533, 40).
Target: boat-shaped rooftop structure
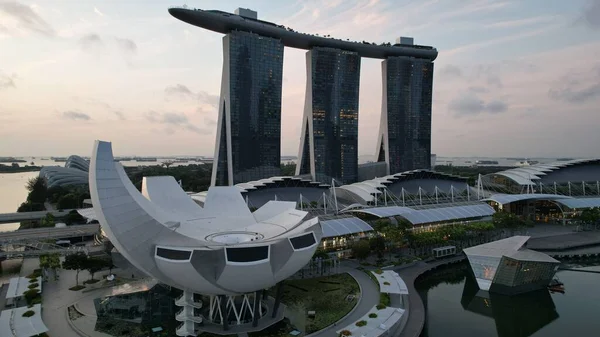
(223, 22)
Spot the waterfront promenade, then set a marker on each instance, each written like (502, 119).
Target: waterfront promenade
(416, 313)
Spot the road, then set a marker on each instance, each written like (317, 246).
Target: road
(49, 233)
(25, 216)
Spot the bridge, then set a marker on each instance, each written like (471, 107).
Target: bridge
(37, 241)
(37, 234)
(28, 216)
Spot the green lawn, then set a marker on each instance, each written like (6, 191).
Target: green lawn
(324, 295)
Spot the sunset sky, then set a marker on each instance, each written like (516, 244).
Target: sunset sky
(513, 78)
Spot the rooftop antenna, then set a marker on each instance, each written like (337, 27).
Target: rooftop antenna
(403, 203)
(420, 197)
(555, 188)
(569, 183)
(324, 203)
(452, 193)
(436, 194)
(334, 195)
(385, 196)
(583, 186)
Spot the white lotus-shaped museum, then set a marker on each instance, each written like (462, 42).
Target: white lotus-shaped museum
(220, 249)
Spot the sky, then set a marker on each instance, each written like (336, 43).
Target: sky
(513, 78)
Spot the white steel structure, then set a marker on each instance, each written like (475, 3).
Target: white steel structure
(222, 250)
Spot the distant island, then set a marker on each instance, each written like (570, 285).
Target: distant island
(17, 169)
(11, 160)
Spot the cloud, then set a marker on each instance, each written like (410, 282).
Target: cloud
(203, 97)
(521, 22)
(91, 101)
(591, 14)
(119, 115)
(27, 18)
(577, 88)
(97, 11)
(470, 104)
(451, 70)
(126, 45)
(7, 81)
(90, 42)
(76, 116)
(172, 120)
(210, 121)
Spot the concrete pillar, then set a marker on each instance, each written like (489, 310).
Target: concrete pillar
(256, 309)
(223, 305)
(278, 296)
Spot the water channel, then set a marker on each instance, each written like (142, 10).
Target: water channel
(456, 308)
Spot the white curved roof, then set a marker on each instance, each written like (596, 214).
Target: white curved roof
(59, 176)
(528, 175)
(206, 250)
(364, 191)
(508, 198)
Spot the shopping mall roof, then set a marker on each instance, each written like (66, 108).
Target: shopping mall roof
(431, 215)
(508, 198)
(365, 191)
(344, 226)
(579, 203)
(530, 175)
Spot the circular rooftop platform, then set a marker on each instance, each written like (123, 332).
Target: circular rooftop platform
(234, 237)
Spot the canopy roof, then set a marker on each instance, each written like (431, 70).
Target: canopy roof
(17, 286)
(12, 322)
(577, 203)
(344, 226)
(508, 198)
(530, 175)
(430, 215)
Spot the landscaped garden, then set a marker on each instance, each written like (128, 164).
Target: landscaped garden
(331, 298)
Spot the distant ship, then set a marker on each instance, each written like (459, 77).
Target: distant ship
(486, 162)
(564, 159)
(145, 159)
(59, 159)
(527, 162)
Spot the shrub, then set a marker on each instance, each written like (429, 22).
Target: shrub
(75, 288)
(386, 283)
(378, 271)
(33, 285)
(345, 333)
(361, 323)
(36, 273)
(381, 306)
(28, 313)
(372, 315)
(33, 280)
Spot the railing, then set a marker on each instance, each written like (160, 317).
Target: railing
(184, 301)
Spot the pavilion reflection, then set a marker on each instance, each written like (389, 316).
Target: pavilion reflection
(515, 316)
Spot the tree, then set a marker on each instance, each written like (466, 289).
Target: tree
(48, 221)
(37, 190)
(94, 264)
(377, 244)
(589, 215)
(74, 217)
(75, 262)
(361, 249)
(68, 201)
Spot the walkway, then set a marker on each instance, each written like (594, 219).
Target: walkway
(368, 298)
(25, 216)
(566, 241)
(416, 312)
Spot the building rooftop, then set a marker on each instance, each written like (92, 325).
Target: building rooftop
(513, 247)
(223, 22)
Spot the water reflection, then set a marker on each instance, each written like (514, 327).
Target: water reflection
(515, 316)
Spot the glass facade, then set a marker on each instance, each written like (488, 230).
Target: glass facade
(134, 312)
(515, 273)
(335, 76)
(255, 66)
(409, 94)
